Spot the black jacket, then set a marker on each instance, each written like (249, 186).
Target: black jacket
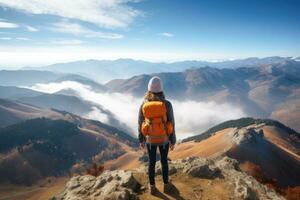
(170, 118)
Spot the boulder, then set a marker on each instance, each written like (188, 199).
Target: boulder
(111, 185)
(243, 191)
(227, 163)
(203, 171)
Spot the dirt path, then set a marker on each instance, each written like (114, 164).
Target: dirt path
(190, 188)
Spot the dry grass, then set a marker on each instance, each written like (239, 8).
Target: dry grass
(216, 144)
(129, 160)
(256, 171)
(283, 140)
(95, 170)
(41, 191)
(293, 193)
(290, 193)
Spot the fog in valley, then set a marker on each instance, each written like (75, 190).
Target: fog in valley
(191, 117)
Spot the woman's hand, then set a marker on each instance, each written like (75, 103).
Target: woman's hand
(172, 147)
(142, 145)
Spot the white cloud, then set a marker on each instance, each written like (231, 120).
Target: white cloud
(68, 42)
(5, 38)
(165, 34)
(17, 38)
(97, 114)
(196, 117)
(8, 25)
(104, 13)
(22, 38)
(191, 117)
(31, 29)
(77, 29)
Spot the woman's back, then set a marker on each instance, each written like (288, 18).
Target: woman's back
(156, 127)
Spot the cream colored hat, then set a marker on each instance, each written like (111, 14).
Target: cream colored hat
(155, 85)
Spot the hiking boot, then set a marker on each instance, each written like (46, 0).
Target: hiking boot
(152, 189)
(167, 187)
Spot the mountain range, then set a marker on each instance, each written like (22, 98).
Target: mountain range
(265, 88)
(45, 135)
(33, 104)
(28, 78)
(106, 70)
(263, 91)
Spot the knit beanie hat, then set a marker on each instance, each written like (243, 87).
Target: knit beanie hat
(155, 85)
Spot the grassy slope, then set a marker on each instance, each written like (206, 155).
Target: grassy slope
(239, 123)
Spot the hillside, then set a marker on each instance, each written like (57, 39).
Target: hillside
(12, 92)
(265, 149)
(240, 123)
(26, 77)
(65, 100)
(12, 112)
(74, 105)
(66, 103)
(269, 145)
(42, 147)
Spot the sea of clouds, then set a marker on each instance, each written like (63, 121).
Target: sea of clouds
(191, 117)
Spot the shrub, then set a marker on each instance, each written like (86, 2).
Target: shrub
(95, 170)
(256, 171)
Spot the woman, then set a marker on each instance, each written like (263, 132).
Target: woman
(157, 130)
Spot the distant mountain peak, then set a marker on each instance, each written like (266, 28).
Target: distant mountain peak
(106, 70)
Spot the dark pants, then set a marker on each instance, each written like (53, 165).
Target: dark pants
(163, 149)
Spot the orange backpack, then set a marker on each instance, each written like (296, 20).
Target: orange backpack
(155, 127)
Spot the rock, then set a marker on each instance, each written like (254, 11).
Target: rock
(127, 180)
(122, 185)
(197, 167)
(246, 187)
(111, 185)
(209, 183)
(189, 159)
(243, 191)
(228, 163)
(203, 171)
(172, 170)
(73, 183)
(246, 135)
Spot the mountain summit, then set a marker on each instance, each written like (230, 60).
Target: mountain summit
(192, 178)
(238, 159)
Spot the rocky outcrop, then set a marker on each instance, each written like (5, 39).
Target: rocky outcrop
(245, 186)
(121, 185)
(246, 135)
(111, 185)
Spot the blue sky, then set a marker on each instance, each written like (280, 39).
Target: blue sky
(43, 32)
